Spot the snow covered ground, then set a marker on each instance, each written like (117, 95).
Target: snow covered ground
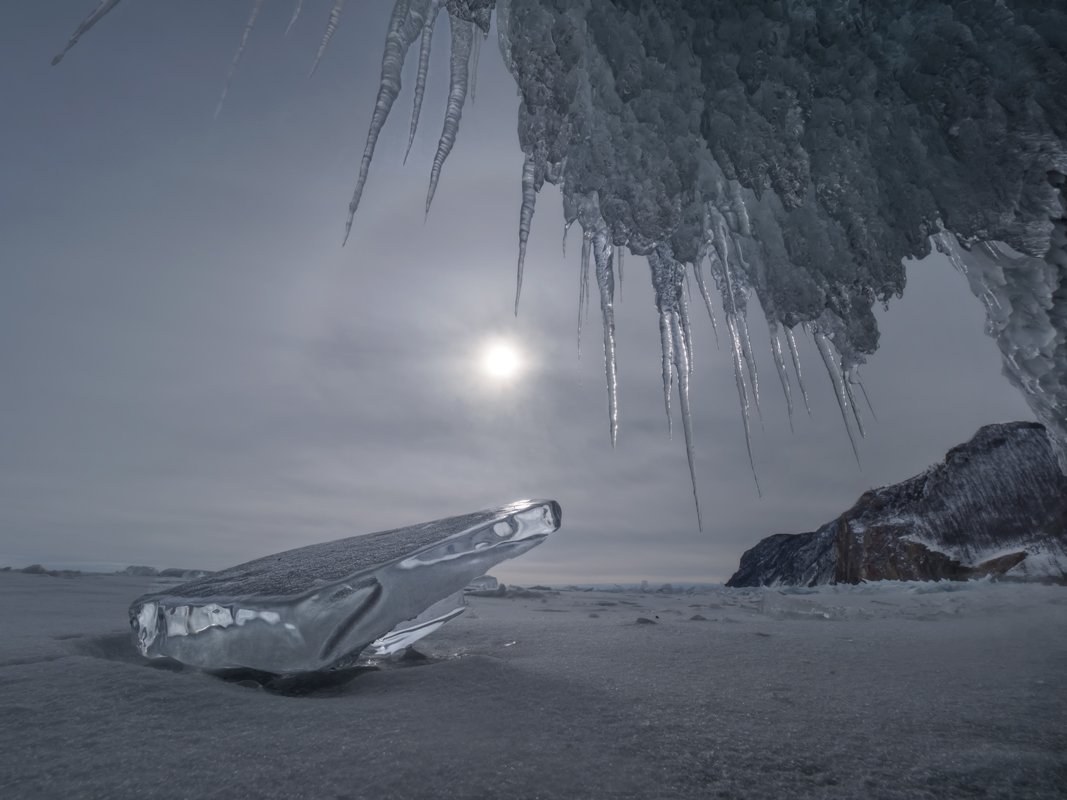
(876, 691)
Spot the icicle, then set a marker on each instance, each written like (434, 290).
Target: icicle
(462, 36)
(683, 366)
(404, 28)
(739, 326)
(292, 19)
(666, 342)
(750, 361)
(795, 356)
(423, 71)
(566, 230)
(331, 27)
(583, 286)
(866, 397)
(742, 394)
(605, 281)
(94, 17)
(237, 56)
(826, 351)
(476, 49)
(666, 291)
(683, 319)
(846, 382)
(779, 363)
(529, 199)
(618, 266)
(702, 285)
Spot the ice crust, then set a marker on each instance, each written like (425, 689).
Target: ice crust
(309, 608)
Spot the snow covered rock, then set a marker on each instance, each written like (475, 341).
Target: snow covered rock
(996, 506)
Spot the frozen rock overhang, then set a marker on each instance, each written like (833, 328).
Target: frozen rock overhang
(799, 150)
(312, 607)
(804, 149)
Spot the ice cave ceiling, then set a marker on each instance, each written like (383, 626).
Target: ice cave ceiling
(794, 149)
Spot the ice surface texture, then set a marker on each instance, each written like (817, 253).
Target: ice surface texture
(308, 608)
(799, 149)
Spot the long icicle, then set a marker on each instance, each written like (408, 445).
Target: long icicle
(846, 382)
(779, 363)
(526, 212)
(702, 285)
(826, 351)
(750, 360)
(682, 365)
(423, 71)
(237, 56)
(618, 267)
(866, 397)
(666, 343)
(667, 290)
(739, 328)
(742, 394)
(605, 280)
(97, 14)
(404, 28)
(683, 319)
(331, 28)
(459, 72)
(583, 286)
(791, 341)
(476, 49)
(296, 13)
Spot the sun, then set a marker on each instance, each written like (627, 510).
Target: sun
(501, 360)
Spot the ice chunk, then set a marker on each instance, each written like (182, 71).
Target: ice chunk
(309, 608)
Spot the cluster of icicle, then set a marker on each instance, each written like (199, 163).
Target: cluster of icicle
(780, 148)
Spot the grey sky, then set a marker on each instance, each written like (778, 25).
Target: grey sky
(193, 372)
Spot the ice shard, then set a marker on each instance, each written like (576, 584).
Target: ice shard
(310, 608)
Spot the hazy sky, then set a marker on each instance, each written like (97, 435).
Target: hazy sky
(193, 372)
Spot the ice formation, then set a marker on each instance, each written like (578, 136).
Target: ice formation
(310, 608)
(800, 150)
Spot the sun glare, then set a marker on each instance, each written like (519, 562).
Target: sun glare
(501, 360)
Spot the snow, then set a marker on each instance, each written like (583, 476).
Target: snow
(881, 691)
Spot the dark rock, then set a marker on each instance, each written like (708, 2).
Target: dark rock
(996, 506)
(698, 618)
(644, 621)
(34, 569)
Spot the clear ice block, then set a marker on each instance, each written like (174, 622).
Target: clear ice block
(310, 608)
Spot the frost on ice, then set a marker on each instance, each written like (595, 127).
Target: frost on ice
(313, 607)
(798, 151)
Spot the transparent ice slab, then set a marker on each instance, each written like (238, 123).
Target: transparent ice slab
(309, 608)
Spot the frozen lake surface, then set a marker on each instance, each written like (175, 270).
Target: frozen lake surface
(878, 691)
